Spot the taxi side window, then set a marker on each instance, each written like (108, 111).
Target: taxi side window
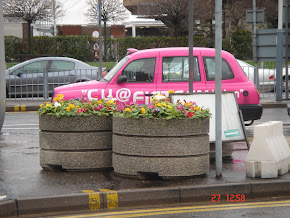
(141, 70)
(176, 69)
(209, 65)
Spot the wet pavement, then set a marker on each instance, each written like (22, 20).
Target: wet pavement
(21, 176)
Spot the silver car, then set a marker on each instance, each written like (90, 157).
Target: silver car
(27, 78)
(266, 76)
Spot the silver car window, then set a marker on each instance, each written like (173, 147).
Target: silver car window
(57, 65)
(35, 67)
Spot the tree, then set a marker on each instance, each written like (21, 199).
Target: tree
(112, 10)
(31, 11)
(174, 14)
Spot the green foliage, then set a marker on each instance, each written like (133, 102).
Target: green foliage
(155, 42)
(242, 44)
(161, 107)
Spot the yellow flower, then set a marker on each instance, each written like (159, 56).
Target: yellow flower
(128, 110)
(143, 111)
(169, 107)
(55, 99)
(47, 102)
(163, 104)
(48, 105)
(41, 105)
(60, 96)
(68, 108)
(171, 91)
(99, 102)
(77, 107)
(158, 105)
(71, 106)
(187, 104)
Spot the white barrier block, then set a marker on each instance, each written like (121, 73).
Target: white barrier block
(269, 154)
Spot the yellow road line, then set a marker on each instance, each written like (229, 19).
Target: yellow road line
(188, 209)
(193, 210)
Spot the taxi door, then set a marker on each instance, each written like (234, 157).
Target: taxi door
(174, 73)
(140, 82)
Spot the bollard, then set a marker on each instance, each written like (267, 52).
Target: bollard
(269, 154)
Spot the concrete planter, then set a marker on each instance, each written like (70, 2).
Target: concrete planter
(75, 143)
(169, 148)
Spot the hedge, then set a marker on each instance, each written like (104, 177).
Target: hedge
(81, 47)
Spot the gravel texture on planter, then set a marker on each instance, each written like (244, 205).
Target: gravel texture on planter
(168, 148)
(79, 160)
(76, 123)
(164, 166)
(162, 146)
(75, 143)
(160, 127)
(75, 140)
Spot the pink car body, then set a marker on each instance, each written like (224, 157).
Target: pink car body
(166, 69)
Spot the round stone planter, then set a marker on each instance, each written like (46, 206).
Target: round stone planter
(75, 143)
(167, 148)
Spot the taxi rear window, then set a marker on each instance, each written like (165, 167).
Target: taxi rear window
(176, 69)
(209, 65)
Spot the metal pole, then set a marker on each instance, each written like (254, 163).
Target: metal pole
(256, 76)
(286, 47)
(54, 21)
(99, 76)
(190, 45)
(2, 69)
(279, 52)
(218, 87)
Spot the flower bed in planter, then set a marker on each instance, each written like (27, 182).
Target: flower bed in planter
(75, 135)
(162, 139)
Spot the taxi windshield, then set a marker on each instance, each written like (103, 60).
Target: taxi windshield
(114, 70)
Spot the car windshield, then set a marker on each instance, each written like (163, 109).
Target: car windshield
(114, 70)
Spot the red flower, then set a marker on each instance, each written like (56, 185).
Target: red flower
(109, 108)
(190, 114)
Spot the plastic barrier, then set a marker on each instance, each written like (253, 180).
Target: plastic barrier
(269, 154)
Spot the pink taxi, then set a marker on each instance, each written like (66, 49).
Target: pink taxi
(144, 73)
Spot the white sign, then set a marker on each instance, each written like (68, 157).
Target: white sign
(95, 34)
(233, 128)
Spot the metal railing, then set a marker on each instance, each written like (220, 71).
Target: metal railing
(39, 86)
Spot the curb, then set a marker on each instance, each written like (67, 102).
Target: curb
(21, 108)
(108, 199)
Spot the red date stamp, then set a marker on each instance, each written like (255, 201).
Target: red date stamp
(228, 198)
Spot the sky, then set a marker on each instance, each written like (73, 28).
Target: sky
(74, 12)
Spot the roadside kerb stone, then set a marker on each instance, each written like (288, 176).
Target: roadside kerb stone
(51, 204)
(145, 197)
(205, 193)
(272, 188)
(167, 148)
(8, 208)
